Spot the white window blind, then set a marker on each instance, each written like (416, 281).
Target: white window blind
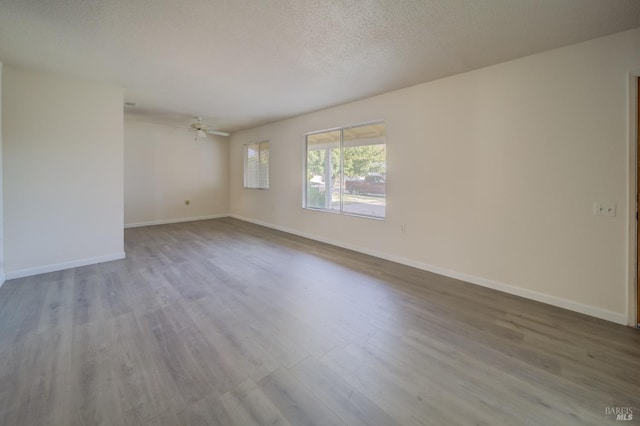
(256, 165)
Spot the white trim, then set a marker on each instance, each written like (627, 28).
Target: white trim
(484, 282)
(182, 219)
(66, 265)
(632, 236)
(3, 278)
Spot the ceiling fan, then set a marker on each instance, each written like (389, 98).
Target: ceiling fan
(201, 129)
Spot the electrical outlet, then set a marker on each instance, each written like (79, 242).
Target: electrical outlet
(601, 208)
(187, 202)
(403, 228)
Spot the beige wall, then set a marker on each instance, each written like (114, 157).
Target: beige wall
(63, 168)
(164, 167)
(493, 172)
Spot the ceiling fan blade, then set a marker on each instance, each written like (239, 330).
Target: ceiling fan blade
(218, 133)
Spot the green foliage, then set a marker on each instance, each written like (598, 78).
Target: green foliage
(360, 161)
(315, 163)
(315, 198)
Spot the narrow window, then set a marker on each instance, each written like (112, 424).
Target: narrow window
(256, 165)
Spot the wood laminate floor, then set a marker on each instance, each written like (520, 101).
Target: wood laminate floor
(224, 322)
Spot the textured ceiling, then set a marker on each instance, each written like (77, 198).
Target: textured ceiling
(240, 63)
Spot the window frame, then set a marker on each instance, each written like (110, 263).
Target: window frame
(342, 189)
(245, 158)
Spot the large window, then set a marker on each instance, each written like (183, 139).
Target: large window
(256, 165)
(346, 170)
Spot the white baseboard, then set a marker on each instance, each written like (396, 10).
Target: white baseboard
(165, 221)
(65, 265)
(571, 305)
(3, 277)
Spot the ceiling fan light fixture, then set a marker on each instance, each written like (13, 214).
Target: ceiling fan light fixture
(201, 129)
